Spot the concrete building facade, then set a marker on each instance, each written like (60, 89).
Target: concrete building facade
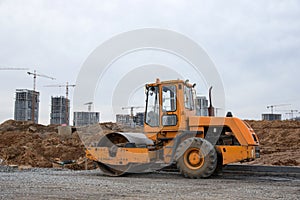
(26, 101)
(60, 108)
(139, 118)
(271, 117)
(127, 120)
(124, 119)
(86, 118)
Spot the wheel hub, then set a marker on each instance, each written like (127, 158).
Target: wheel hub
(193, 158)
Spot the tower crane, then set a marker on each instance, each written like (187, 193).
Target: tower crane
(291, 113)
(13, 68)
(272, 107)
(67, 97)
(89, 104)
(34, 74)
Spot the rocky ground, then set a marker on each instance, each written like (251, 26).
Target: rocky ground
(45, 183)
(32, 145)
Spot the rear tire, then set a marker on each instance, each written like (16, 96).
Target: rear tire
(196, 158)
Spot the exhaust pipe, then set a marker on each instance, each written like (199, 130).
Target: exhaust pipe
(211, 109)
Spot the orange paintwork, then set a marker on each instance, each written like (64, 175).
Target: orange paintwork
(123, 156)
(238, 127)
(232, 154)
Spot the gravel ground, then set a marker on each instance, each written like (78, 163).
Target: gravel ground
(66, 184)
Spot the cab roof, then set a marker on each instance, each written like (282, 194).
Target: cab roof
(158, 82)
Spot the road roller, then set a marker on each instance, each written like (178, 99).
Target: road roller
(175, 137)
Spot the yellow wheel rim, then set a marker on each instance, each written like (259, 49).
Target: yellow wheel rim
(193, 158)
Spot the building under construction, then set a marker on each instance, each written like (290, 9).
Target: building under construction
(139, 118)
(271, 116)
(124, 119)
(201, 106)
(85, 118)
(60, 107)
(26, 101)
(128, 120)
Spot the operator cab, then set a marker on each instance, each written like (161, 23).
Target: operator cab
(163, 105)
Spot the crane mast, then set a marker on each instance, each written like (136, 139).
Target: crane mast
(35, 75)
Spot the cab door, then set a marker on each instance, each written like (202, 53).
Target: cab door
(169, 107)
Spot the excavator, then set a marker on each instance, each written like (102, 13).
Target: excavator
(175, 138)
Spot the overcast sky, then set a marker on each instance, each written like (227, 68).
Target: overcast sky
(254, 45)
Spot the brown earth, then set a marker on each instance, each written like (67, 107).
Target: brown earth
(25, 143)
(279, 142)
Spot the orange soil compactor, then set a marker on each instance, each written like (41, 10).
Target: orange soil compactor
(175, 137)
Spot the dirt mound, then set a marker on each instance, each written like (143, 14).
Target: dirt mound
(279, 141)
(25, 143)
(28, 144)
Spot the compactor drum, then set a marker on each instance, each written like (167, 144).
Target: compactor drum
(175, 137)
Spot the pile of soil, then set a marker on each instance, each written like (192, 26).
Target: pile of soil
(28, 144)
(279, 142)
(25, 143)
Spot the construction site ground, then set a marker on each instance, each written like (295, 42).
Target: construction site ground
(32, 150)
(43, 183)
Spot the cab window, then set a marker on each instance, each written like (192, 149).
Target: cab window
(169, 98)
(152, 108)
(188, 98)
